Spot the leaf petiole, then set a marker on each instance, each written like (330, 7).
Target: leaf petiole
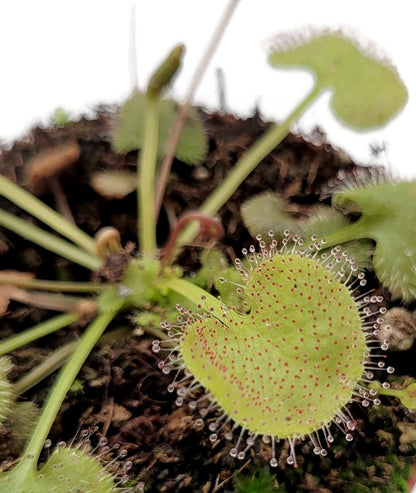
(49, 241)
(48, 216)
(36, 332)
(247, 163)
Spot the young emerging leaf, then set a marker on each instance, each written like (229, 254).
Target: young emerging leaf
(366, 92)
(165, 72)
(388, 216)
(259, 481)
(128, 132)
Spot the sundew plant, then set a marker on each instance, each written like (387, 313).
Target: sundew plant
(287, 366)
(283, 360)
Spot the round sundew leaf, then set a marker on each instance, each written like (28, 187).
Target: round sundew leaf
(267, 212)
(366, 92)
(388, 215)
(67, 470)
(128, 132)
(288, 366)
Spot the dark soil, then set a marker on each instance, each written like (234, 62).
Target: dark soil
(123, 395)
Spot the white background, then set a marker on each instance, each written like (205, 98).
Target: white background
(76, 54)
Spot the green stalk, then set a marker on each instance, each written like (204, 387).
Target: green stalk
(41, 211)
(247, 163)
(407, 395)
(46, 285)
(146, 180)
(44, 369)
(49, 241)
(399, 393)
(196, 295)
(353, 231)
(36, 332)
(57, 358)
(58, 392)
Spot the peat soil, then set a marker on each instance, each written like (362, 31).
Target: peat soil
(121, 393)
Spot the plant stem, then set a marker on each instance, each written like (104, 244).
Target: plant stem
(248, 162)
(354, 231)
(57, 302)
(37, 331)
(389, 392)
(41, 211)
(17, 280)
(44, 369)
(206, 301)
(49, 241)
(210, 225)
(57, 358)
(180, 120)
(196, 295)
(60, 388)
(146, 180)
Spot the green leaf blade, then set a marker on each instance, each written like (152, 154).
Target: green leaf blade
(367, 92)
(388, 215)
(128, 131)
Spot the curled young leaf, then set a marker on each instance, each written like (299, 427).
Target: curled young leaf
(367, 91)
(165, 72)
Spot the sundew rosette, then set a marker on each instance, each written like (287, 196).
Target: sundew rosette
(289, 365)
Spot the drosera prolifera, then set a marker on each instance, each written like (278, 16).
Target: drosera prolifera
(289, 366)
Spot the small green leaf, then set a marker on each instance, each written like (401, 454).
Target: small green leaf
(259, 481)
(388, 216)
(366, 92)
(61, 117)
(128, 132)
(267, 212)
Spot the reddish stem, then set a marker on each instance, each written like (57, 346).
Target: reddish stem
(209, 227)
